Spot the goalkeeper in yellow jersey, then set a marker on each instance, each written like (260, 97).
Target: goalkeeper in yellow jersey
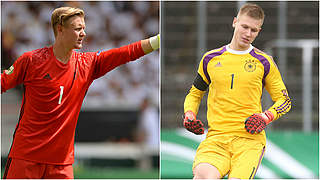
(235, 76)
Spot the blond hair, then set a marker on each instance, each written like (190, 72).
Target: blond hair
(62, 14)
(252, 10)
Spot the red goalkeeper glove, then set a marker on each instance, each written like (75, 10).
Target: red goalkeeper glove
(192, 124)
(258, 121)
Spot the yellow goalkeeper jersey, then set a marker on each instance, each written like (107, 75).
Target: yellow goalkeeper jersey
(236, 80)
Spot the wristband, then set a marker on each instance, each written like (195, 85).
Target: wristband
(190, 115)
(269, 116)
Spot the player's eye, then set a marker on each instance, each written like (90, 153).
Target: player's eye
(245, 27)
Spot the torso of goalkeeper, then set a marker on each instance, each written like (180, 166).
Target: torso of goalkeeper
(235, 80)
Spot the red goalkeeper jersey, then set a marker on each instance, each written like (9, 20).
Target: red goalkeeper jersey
(52, 99)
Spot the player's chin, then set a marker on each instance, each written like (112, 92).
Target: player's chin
(78, 46)
(245, 44)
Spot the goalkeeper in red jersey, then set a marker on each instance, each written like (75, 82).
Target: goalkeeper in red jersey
(55, 81)
(235, 75)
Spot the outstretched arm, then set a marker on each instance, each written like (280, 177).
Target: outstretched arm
(151, 44)
(110, 59)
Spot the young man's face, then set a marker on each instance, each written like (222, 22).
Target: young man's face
(73, 32)
(246, 29)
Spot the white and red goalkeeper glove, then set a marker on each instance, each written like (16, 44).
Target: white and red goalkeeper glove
(155, 42)
(258, 121)
(192, 124)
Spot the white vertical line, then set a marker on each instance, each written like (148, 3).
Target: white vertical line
(307, 87)
(202, 28)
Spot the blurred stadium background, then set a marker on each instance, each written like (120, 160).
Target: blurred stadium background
(290, 33)
(118, 129)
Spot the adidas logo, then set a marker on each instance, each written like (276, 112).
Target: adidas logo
(218, 64)
(47, 76)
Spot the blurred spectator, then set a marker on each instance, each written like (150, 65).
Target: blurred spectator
(148, 127)
(7, 54)
(27, 26)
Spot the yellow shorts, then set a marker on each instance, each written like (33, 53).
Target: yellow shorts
(237, 156)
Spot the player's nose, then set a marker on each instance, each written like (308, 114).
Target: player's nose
(248, 32)
(82, 33)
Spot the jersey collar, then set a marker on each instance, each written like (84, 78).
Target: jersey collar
(239, 52)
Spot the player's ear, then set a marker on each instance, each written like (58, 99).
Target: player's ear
(59, 28)
(234, 22)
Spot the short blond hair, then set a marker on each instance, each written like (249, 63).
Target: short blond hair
(252, 10)
(62, 14)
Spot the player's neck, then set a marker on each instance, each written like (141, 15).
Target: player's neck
(61, 53)
(235, 46)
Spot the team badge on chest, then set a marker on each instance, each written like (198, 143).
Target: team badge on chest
(250, 65)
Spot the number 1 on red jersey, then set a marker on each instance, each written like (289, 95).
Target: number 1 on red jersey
(61, 93)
